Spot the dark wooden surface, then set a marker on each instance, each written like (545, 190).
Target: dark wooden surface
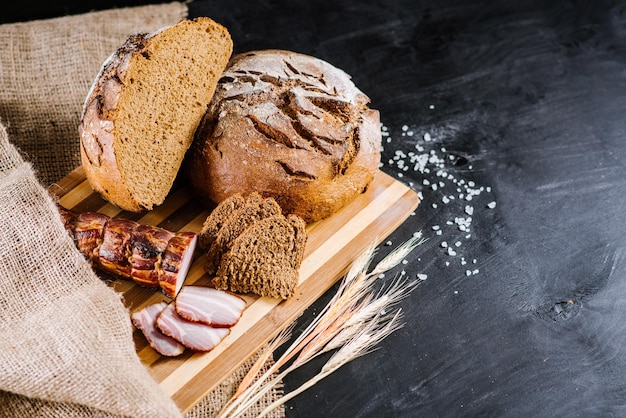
(523, 103)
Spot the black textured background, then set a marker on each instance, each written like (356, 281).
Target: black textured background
(523, 103)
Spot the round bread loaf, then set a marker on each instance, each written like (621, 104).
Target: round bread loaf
(141, 113)
(288, 126)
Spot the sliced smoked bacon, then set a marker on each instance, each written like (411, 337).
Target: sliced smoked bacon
(145, 320)
(214, 307)
(151, 256)
(194, 335)
(177, 259)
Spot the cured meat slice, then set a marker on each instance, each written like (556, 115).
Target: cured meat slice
(176, 262)
(193, 335)
(149, 244)
(145, 320)
(89, 233)
(115, 250)
(214, 307)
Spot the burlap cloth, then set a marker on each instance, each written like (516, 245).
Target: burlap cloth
(66, 347)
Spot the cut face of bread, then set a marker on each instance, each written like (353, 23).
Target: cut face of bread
(144, 107)
(254, 209)
(218, 217)
(265, 259)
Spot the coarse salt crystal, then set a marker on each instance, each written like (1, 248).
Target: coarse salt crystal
(491, 205)
(422, 276)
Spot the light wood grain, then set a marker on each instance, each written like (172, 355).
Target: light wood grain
(332, 245)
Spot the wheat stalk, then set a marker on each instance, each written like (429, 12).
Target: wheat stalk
(353, 322)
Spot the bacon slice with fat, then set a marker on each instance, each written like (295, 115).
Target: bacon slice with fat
(214, 307)
(193, 335)
(176, 262)
(145, 320)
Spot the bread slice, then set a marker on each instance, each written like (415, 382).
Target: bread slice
(217, 218)
(255, 209)
(265, 259)
(142, 111)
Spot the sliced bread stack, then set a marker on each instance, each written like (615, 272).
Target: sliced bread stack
(252, 247)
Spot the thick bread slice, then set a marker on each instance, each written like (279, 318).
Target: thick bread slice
(140, 116)
(254, 209)
(217, 218)
(265, 259)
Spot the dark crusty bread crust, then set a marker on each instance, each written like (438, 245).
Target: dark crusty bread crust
(288, 126)
(141, 113)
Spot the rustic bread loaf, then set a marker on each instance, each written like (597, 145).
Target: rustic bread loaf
(265, 259)
(143, 109)
(288, 126)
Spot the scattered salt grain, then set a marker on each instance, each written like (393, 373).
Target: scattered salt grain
(422, 276)
(435, 165)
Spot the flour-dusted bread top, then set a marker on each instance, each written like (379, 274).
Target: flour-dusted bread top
(141, 113)
(288, 126)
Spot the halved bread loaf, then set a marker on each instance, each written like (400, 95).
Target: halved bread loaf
(140, 116)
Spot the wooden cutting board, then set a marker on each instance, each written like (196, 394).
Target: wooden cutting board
(332, 245)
